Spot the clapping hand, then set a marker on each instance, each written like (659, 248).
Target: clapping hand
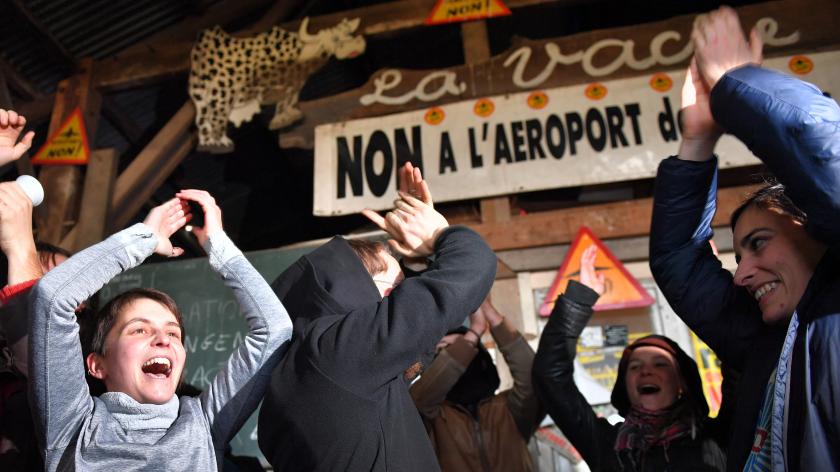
(165, 220)
(413, 224)
(212, 213)
(720, 45)
(412, 183)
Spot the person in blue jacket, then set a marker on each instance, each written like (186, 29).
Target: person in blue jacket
(778, 319)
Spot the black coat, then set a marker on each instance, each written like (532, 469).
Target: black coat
(594, 437)
(337, 400)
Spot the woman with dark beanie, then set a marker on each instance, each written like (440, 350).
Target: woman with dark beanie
(657, 391)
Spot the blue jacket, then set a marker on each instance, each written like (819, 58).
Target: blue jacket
(793, 128)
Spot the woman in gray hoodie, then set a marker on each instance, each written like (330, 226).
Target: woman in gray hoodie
(138, 353)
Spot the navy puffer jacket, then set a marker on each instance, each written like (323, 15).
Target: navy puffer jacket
(793, 128)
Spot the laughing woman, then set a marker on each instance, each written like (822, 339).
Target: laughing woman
(657, 391)
(138, 353)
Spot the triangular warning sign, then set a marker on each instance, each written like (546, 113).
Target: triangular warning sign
(69, 145)
(622, 290)
(451, 11)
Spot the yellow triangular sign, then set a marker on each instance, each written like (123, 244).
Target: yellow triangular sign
(451, 11)
(622, 289)
(69, 145)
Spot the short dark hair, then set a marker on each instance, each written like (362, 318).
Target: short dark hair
(771, 197)
(104, 320)
(368, 252)
(47, 252)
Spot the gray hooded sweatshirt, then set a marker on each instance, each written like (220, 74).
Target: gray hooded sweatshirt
(114, 432)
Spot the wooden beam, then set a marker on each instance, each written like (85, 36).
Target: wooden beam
(152, 166)
(167, 54)
(36, 111)
(626, 249)
(812, 19)
(96, 199)
(61, 182)
(147, 64)
(19, 83)
(475, 42)
(607, 220)
(496, 209)
(476, 46)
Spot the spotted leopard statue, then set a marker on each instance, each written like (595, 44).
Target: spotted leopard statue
(231, 77)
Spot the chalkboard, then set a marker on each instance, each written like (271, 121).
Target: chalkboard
(214, 325)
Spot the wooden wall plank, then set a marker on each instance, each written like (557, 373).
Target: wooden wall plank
(607, 220)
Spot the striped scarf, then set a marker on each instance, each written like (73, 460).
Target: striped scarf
(644, 429)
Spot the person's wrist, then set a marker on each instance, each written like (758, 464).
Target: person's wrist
(23, 265)
(698, 148)
(472, 337)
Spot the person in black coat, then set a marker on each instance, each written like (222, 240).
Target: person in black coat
(657, 390)
(338, 400)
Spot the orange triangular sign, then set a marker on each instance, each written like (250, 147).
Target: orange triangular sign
(69, 145)
(451, 11)
(622, 289)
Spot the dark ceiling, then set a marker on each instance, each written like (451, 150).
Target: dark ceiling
(265, 191)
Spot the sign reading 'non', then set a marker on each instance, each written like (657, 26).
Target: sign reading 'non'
(569, 136)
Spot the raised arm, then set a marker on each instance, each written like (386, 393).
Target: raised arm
(18, 246)
(57, 387)
(593, 437)
(696, 286)
(386, 338)
(456, 353)
(521, 399)
(238, 388)
(416, 314)
(789, 124)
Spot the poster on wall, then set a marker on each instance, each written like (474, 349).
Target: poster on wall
(585, 134)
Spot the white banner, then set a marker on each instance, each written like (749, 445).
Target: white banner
(564, 137)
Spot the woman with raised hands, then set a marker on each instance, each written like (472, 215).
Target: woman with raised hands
(657, 390)
(137, 351)
(777, 320)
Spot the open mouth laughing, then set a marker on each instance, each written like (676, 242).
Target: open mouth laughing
(157, 367)
(648, 389)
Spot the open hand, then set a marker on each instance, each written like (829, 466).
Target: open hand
(588, 275)
(11, 125)
(413, 226)
(212, 213)
(720, 45)
(164, 220)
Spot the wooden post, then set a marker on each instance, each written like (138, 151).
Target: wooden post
(476, 51)
(96, 201)
(153, 165)
(61, 182)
